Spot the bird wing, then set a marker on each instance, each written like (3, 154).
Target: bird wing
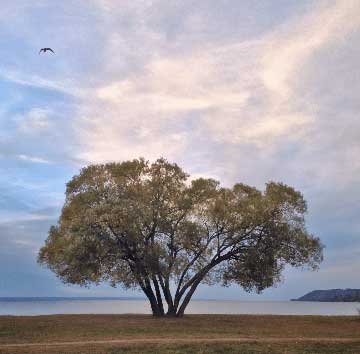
(51, 50)
(41, 50)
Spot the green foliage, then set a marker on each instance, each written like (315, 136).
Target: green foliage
(145, 225)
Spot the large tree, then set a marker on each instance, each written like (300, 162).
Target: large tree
(148, 226)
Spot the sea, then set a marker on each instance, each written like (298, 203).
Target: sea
(51, 306)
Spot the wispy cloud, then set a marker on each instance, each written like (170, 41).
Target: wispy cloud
(7, 218)
(35, 121)
(247, 92)
(34, 159)
(66, 86)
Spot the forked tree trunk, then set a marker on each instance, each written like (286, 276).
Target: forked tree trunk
(176, 308)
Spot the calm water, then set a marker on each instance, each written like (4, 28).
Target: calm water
(43, 307)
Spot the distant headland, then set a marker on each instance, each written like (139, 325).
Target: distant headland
(332, 295)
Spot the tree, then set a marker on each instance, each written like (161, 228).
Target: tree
(147, 226)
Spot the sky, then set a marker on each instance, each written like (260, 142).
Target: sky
(240, 91)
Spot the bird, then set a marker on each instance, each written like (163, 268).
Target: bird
(46, 50)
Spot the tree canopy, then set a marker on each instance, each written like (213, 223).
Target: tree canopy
(149, 226)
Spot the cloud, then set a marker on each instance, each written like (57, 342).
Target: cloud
(26, 216)
(34, 159)
(284, 55)
(244, 92)
(289, 48)
(36, 120)
(64, 86)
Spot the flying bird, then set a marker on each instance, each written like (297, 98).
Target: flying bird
(46, 50)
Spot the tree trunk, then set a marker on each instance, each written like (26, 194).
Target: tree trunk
(156, 308)
(173, 303)
(171, 311)
(158, 297)
(196, 281)
(181, 311)
(174, 310)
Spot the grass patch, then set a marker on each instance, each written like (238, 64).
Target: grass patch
(71, 328)
(223, 348)
(85, 327)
